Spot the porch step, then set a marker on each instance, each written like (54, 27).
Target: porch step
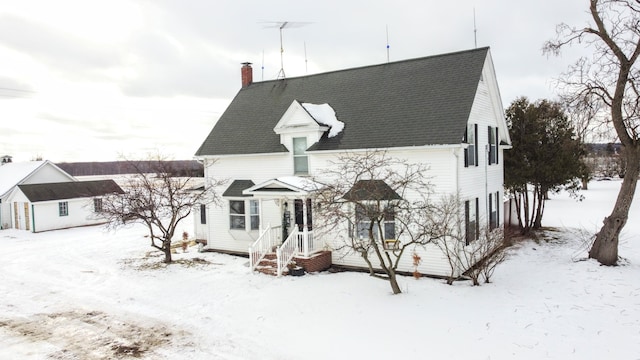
(268, 265)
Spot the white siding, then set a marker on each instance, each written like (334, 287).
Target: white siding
(47, 217)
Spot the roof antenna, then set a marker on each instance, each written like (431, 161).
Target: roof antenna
(306, 67)
(387, 43)
(262, 67)
(475, 30)
(281, 25)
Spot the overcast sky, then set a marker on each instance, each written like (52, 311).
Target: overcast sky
(92, 80)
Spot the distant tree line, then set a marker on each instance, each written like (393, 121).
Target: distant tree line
(179, 168)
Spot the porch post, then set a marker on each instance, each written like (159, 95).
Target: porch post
(305, 234)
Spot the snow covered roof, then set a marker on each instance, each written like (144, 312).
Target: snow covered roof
(11, 174)
(284, 185)
(325, 115)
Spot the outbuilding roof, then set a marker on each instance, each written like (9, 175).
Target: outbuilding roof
(69, 190)
(425, 101)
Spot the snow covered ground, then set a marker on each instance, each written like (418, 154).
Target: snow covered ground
(90, 294)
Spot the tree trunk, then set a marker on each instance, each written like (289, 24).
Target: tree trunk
(394, 282)
(605, 246)
(166, 248)
(585, 183)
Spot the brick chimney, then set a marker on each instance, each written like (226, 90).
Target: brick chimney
(247, 74)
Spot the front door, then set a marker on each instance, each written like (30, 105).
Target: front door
(299, 212)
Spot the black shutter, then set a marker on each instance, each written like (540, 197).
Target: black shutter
(466, 150)
(491, 226)
(498, 205)
(490, 145)
(477, 234)
(475, 129)
(203, 214)
(497, 144)
(466, 223)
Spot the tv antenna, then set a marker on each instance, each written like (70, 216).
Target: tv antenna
(281, 25)
(475, 30)
(387, 43)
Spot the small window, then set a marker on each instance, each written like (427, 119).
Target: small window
(493, 145)
(97, 205)
(63, 208)
(254, 213)
(236, 214)
(300, 158)
(471, 152)
(203, 214)
(471, 221)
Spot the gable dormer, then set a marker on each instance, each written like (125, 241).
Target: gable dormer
(296, 122)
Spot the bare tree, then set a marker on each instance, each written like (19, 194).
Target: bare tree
(475, 259)
(379, 207)
(609, 77)
(154, 197)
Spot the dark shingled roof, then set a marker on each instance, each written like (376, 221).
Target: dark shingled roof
(69, 190)
(425, 101)
(236, 188)
(371, 190)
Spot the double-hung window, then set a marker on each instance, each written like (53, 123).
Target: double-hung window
(493, 145)
(63, 208)
(471, 152)
(300, 158)
(254, 214)
(237, 215)
(239, 218)
(363, 221)
(494, 210)
(471, 221)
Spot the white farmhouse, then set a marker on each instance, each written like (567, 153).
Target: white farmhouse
(275, 136)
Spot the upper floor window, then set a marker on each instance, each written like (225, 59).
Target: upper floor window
(300, 158)
(471, 152)
(63, 208)
(493, 145)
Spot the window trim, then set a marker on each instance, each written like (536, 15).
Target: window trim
(471, 151)
(492, 140)
(300, 156)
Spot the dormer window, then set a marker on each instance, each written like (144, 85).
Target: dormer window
(300, 158)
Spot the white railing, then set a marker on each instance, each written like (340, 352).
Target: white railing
(287, 250)
(268, 240)
(308, 244)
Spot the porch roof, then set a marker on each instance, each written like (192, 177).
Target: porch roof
(285, 186)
